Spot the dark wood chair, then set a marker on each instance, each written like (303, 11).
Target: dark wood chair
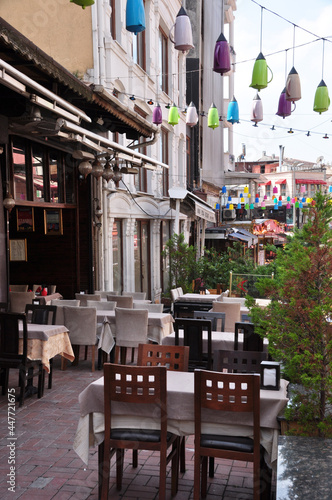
(136, 385)
(217, 318)
(174, 357)
(193, 330)
(251, 341)
(231, 392)
(13, 327)
(238, 361)
(42, 315)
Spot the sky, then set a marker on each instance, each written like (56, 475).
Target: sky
(277, 35)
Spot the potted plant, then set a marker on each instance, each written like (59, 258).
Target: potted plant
(296, 322)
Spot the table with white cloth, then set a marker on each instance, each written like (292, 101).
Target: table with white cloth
(180, 411)
(160, 325)
(46, 341)
(189, 302)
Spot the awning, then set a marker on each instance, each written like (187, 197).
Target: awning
(283, 181)
(309, 181)
(268, 183)
(191, 205)
(240, 237)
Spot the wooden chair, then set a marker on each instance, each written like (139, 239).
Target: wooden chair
(175, 358)
(217, 318)
(238, 361)
(131, 330)
(136, 385)
(231, 392)
(10, 356)
(42, 315)
(83, 297)
(251, 341)
(193, 337)
(121, 301)
(82, 325)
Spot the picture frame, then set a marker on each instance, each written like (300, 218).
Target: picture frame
(25, 219)
(53, 222)
(18, 250)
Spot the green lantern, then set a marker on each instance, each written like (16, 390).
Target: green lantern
(83, 3)
(213, 117)
(322, 100)
(174, 115)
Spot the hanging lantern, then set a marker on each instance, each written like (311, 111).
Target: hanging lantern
(303, 200)
(231, 206)
(293, 86)
(288, 206)
(280, 198)
(239, 206)
(233, 111)
(275, 189)
(135, 16)
(173, 115)
(322, 100)
(183, 38)
(222, 56)
(157, 115)
(229, 198)
(279, 203)
(293, 200)
(256, 199)
(9, 202)
(217, 206)
(246, 206)
(83, 3)
(330, 189)
(227, 205)
(263, 204)
(313, 202)
(251, 206)
(97, 169)
(213, 117)
(288, 198)
(297, 204)
(300, 205)
(224, 190)
(249, 195)
(259, 73)
(85, 167)
(108, 172)
(192, 116)
(246, 189)
(308, 200)
(302, 189)
(275, 201)
(275, 206)
(241, 195)
(265, 196)
(284, 106)
(256, 110)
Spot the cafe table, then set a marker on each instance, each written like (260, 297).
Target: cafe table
(180, 410)
(46, 341)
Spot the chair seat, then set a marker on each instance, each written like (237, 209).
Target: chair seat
(232, 443)
(150, 435)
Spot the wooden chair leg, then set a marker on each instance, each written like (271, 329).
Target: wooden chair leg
(204, 477)
(86, 353)
(119, 467)
(93, 355)
(162, 476)
(183, 455)
(50, 375)
(211, 467)
(135, 459)
(63, 363)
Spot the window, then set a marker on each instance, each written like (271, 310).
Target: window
(262, 169)
(142, 256)
(139, 48)
(190, 173)
(112, 20)
(164, 261)
(19, 168)
(164, 158)
(282, 189)
(163, 41)
(117, 255)
(268, 191)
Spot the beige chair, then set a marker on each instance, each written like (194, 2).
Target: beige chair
(232, 300)
(135, 295)
(18, 288)
(101, 306)
(131, 329)
(121, 301)
(82, 325)
(35, 287)
(180, 291)
(104, 293)
(18, 301)
(156, 308)
(83, 297)
(60, 305)
(233, 313)
(174, 294)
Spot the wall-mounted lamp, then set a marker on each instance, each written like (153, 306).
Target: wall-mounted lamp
(9, 202)
(85, 168)
(97, 169)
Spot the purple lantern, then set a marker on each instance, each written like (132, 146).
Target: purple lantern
(157, 115)
(284, 107)
(222, 57)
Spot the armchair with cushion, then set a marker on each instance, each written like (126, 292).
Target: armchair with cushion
(18, 301)
(131, 330)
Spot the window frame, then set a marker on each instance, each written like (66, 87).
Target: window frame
(163, 54)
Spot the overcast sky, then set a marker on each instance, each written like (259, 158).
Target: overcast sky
(316, 17)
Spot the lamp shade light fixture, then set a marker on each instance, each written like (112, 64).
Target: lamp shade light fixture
(326, 136)
(9, 202)
(222, 57)
(233, 111)
(259, 78)
(256, 110)
(227, 205)
(213, 117)
(246, 189)
(284, 106)
(150, 102)
(239, 206)
(246, 206)
(252, 206)
(135, 16)
(275, 189)
(173, 115)
(183, 38)
(117, 174)
(322, 100)
(83, 3)
(85, 168)
(290, 131)
(231, 206)
(288, 205)
(97, 169)
(224, 189)
(157, 115)
(293, 86)
(192, 116)
(108, 172)
(256, 199)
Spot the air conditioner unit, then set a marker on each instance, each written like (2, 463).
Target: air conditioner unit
(228, 214)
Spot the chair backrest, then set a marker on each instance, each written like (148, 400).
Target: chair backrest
(18, 301)
(83, 297)
(217, 319)
(156, 308)
(233, 313)
(18, 288)
(251, 341)
(104, 293)
(238, 361)
(135, 384)
(135, 295)
(180, 291)
(60, 305)
(245, 318)
(232, 300)
(41, 314)
(10, 335)
(101, 305)
(36, 287)
(121, 301)
(174, 357)
(193, 332)
(82, 324)
(174, 294)
(3, 306)
(131, 327)
(234, 392)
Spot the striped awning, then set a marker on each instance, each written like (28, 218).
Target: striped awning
(309, 181)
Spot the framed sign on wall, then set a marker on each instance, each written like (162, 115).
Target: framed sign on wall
(25, 219)
(18, 250)
(53, 221)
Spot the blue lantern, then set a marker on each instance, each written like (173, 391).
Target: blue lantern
(300, 205)
(135, 16)
(217, 207)
(227, 205)
(233, 111)
(275, 207)
(239, 206)
(330, 189)
(224, 190)
(229, 198)
(241, 195)
(303, 200)
(279, 203)
(256, 199)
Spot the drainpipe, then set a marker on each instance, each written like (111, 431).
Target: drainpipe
(95, 44)
(146, 143)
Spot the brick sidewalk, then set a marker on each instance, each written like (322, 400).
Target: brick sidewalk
(48, 468)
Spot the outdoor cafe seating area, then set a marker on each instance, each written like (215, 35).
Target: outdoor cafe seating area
(125, 333)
